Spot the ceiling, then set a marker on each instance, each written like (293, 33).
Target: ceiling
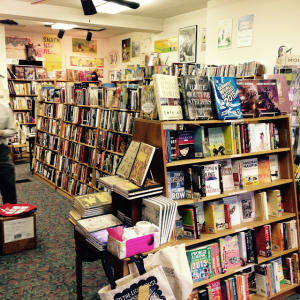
(150, 15)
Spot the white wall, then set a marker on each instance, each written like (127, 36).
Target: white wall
(276, 23)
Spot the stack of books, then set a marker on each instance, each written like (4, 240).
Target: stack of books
(90, 205)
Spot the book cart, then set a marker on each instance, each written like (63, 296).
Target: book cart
(102, 157)
(151, 131)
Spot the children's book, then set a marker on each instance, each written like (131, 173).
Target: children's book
(229, 252)
(226, 101)
(250, 171)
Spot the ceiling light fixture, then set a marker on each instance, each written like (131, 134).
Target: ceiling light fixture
(62, 26)
(117, 6)
(60, 33)
(89, 36)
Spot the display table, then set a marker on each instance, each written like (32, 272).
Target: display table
(88, 253)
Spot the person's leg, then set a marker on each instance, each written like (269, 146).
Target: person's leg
(7, 176)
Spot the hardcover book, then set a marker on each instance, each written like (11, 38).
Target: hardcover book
(200, 263)
(247, 206)
(148, 104)
(141, 164)
(176, 188)
(229, 252)
(211, 179)
(128, 159)
(250, 171)
(185, 144)
(248, 93)
(283, 92)
(227, 103)
(263, 241)
(167, 97)
(196, 97)
(268, 101)
(216, 141)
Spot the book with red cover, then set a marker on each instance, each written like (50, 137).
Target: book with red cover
(215, 258)
(215, 287)
(263, 241)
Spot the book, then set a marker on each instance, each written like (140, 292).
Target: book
(185, 144)
(196, 102)
(216, 141)
(283, 90)
(189, 221)
(176, 189)
(247, 206)
(229, 140)
(214, 216)
(261, 278)
(268, 101)
(259, 137)
(264, 170)
(250, 171)
(29, 73)
(229, 252)
(263, 241)
(261, 206)
(141, 164)
(211, 179)
(226, 101)
(148, 104)
(225, 167)
(200, 263)
(251, 246)
(277, 237)
(274, 166)
(274, 202)
(234, 209)
(198, 142)
(215, 287)
(167, 97)
(215, 258)
(248, 93)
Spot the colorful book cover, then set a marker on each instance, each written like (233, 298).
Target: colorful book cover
(200, 263)
(176, 185)
(196, 97)
(229, 140)
(227, 103)
(215, 258)
(283, 92)
(214, 217)
(280, 269)
(262, 283)
(189, 223)
(148, 104)
(268, 100)
(215, 287)
(229, 252)
(274, 202)
(263, 241)
(185, 144)
(264, 171)
(141, 164)
(247, 206)
(216, 141)
(250, 171)
(248, 93)
(212, 180)
(234, 209)
(167, 97)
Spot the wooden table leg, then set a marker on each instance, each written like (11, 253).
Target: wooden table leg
(79, 277)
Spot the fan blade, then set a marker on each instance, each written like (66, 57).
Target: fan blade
(130, 4)
(88, 7)
(39, 1)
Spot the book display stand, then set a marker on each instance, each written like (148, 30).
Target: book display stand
(152, 131)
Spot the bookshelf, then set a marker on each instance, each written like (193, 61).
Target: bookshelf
(152, 132)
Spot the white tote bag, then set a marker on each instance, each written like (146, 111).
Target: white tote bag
(128, 286)
(174, 261)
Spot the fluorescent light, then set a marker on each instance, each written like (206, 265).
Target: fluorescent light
(63, 26)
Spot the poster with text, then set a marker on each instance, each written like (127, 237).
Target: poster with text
(225, 34)
(126, 50)
(83, 46)
(245, 27)
(52, 52)
(166, 45)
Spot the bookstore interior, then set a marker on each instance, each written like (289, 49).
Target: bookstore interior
(158, 137)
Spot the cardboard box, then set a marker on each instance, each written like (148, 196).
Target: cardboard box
(17, 234)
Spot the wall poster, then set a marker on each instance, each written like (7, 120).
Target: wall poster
(245, 27)
(225, 33)
(126, 50)
(89, 62)
(187, 44)
(166, 45)
(52, 52)
(83, 46)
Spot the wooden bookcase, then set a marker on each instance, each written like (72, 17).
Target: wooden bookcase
(151, 132)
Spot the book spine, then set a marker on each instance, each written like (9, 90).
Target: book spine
(227, 216)
(202, 181)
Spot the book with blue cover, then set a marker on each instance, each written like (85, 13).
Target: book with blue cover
(227, 104)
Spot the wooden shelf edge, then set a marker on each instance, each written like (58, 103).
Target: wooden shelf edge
(276, 254)
(223, 157)
(252, 188)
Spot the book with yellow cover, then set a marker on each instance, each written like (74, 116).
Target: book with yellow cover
(141, 164)
(214, 217)
(92, 200)
(127, 161)
(228, 138)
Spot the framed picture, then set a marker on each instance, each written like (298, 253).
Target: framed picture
(187, 44)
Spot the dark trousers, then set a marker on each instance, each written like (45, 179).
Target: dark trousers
(7, 176)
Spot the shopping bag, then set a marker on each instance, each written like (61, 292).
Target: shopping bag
(174, 261)
(128, 286)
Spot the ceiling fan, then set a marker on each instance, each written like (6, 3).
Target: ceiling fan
(90, 9)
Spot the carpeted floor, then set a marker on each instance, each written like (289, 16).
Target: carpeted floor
(47, 272)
